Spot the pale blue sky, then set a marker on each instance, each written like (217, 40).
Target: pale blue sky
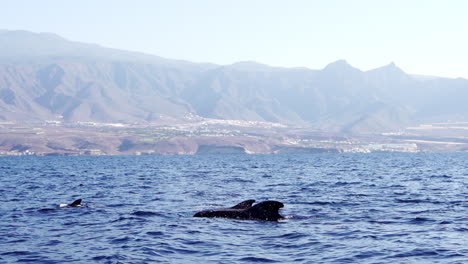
(427, 37)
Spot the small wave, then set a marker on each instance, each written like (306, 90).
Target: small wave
(357, 195)
(419, 220)
(320, 203)
(16, 253)
(368, 254)
(412, 201)
(146, 213)
(256, 259)
(46, 210)
(382, 222)
(332, 203)
(128, 219)
(35, 260)
(458, 202)
(292, 236)
(53, 242)
(344, 234)
(345, 183)
(155, 233)
(109, 258)
(151, 252)
(185, 251)
(120, 240)
(441, 176)
(238, 180)
(17, 241)
(416, 253)
(277, 185)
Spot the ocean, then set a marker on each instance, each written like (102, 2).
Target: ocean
(339, 208)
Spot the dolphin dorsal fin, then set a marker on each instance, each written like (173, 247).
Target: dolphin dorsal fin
(76, 203)
(267, 210)
(244, 205)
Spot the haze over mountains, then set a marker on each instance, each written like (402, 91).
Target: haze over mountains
(45, 77)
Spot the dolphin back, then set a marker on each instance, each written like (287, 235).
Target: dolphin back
(267, 211)
(244, 205)
(224, 213)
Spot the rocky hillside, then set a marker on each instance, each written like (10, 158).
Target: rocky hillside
(45, 77)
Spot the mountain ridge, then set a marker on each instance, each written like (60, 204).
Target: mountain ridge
(51, 78)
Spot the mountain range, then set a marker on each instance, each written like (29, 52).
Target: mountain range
(46, 77)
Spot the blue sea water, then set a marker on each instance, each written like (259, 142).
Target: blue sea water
(340, 208)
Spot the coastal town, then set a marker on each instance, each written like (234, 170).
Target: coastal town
(212, 136)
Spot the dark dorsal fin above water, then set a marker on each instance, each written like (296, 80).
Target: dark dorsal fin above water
(76, 203)
(244, 205)
(267, 210)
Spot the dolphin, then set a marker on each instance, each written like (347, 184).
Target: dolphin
(76, 203)
(267, 211)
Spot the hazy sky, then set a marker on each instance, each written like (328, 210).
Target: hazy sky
(421, 36)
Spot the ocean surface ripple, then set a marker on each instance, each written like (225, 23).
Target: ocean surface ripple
(340, 208)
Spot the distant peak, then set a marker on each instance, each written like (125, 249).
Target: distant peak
(339, 65)
(389, 68)
(391, 65)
